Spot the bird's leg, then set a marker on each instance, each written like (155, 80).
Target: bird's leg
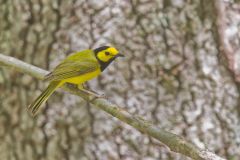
(89, 89)
(84, 89)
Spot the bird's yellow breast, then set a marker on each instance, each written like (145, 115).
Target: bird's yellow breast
(83, 78)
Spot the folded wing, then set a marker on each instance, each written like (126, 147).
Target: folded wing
(72, 68)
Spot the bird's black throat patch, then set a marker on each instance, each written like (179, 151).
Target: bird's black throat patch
(103, 65)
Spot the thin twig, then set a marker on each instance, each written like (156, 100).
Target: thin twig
(173, 141)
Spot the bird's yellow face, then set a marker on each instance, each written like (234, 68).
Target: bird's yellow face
(107, 54)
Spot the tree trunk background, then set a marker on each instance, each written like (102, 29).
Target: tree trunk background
(174, 74)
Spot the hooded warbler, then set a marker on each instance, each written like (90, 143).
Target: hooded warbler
(77, 68)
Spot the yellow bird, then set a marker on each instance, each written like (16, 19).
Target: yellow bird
(77, 68)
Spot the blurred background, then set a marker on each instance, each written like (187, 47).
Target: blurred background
(176, 74)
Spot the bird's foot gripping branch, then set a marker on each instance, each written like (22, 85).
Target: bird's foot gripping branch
(173, 141)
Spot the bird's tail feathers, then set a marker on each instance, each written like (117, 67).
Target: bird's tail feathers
(42, 98)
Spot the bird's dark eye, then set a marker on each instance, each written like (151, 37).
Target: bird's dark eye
(107, 53)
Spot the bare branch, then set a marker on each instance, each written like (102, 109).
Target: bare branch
(173, 141)
(224, 45)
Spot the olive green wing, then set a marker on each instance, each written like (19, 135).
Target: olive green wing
(74, 65)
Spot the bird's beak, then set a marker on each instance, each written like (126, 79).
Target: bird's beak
(120, 55)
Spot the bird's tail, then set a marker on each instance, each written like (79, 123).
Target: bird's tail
(43, 97)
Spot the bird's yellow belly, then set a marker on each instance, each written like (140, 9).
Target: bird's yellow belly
(83, 78)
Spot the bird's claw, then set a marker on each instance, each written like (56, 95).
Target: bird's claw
(102, 96)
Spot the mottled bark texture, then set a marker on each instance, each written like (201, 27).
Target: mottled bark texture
(174, 74)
